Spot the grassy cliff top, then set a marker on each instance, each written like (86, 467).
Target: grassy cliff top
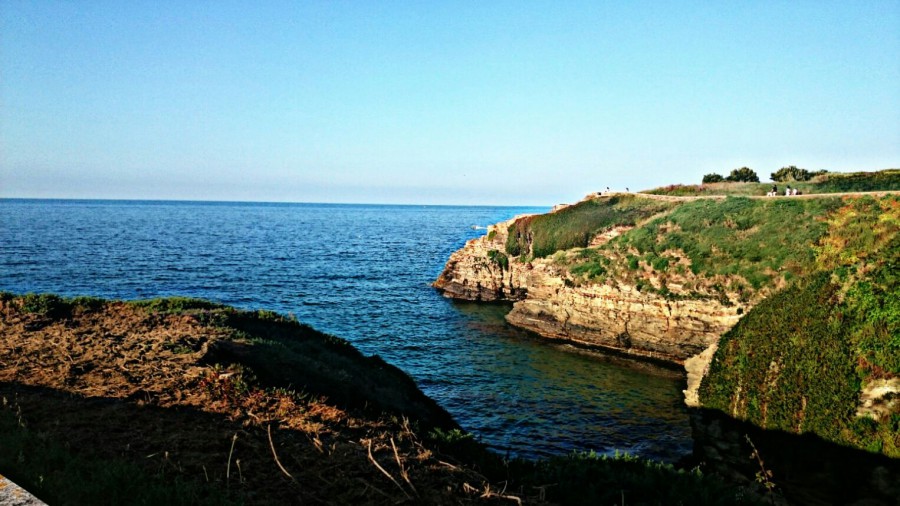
(179, 401)
(836, 182)
(728, 246)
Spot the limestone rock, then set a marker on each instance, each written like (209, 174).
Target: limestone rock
(612, 316)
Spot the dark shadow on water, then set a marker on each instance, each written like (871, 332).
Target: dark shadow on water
(491, 317)
(543, 398)
(805, 468)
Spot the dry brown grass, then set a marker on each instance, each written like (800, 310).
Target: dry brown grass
(120, 382)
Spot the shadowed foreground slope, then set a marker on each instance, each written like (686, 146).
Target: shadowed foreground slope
(186, 402)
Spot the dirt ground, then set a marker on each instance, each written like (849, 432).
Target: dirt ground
(122, 382)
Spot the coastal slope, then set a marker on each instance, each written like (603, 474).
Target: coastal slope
(666, 277)
(183, 401)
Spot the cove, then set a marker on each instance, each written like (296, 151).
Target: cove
(363, 273)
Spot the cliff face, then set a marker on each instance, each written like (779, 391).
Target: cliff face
(615, 316)
(621, 318)
(796, 333)
(480, 271)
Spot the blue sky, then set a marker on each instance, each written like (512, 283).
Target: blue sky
(519, 103)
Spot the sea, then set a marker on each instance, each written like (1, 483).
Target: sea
(363, 273)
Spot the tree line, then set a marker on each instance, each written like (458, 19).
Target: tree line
(748, 175)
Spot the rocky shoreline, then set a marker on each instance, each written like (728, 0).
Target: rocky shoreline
(609, 317)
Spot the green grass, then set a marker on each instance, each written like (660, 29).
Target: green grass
(884, 180)
(51, 472)
(753, 239)
(738, 244)
(857, 182)
(542, 235)
(590, 478)
(797, 361)
(175, 305)
(499, 258)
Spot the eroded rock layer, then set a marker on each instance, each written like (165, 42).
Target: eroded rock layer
(613, 315)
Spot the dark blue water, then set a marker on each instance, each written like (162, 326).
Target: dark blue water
(363, 273)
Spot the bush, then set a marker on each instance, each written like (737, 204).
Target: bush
(499, 258)
(791, 173)
(713, 178)
(743, 175)
(45, 304)
(796, 361)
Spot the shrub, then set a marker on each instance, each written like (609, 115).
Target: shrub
(713, 178)
(499, 258)
(45, 304)
(743, 175)
(791, 173)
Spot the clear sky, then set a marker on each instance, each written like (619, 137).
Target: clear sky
(443, 102)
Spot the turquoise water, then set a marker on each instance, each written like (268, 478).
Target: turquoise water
(361, 272)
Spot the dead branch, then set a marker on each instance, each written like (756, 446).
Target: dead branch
(403, 472)
(272, 446)
(377, 465)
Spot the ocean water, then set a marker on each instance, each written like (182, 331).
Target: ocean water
(361, 272)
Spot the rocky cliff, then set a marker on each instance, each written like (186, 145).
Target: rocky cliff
(818, 350)
(617, 315)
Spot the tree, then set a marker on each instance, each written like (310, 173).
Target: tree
(743, 175)
(790, 173)
(713, 178)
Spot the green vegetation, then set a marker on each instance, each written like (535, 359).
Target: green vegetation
(714, 247)
(542, 235)
(499, 258)
(712, 189)
(174, 305)
(45, 304)
(51, 471)
(820, 182)
(792, 173)
(743, 175)
(590, 478)
(885, 180)
(798, 360)
(755, 240)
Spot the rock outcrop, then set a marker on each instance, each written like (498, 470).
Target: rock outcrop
(481, 271)
(621, 318)
(612, 316)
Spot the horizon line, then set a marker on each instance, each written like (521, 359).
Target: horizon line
(264, 202)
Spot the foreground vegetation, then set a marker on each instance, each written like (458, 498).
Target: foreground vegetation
(187, 402)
